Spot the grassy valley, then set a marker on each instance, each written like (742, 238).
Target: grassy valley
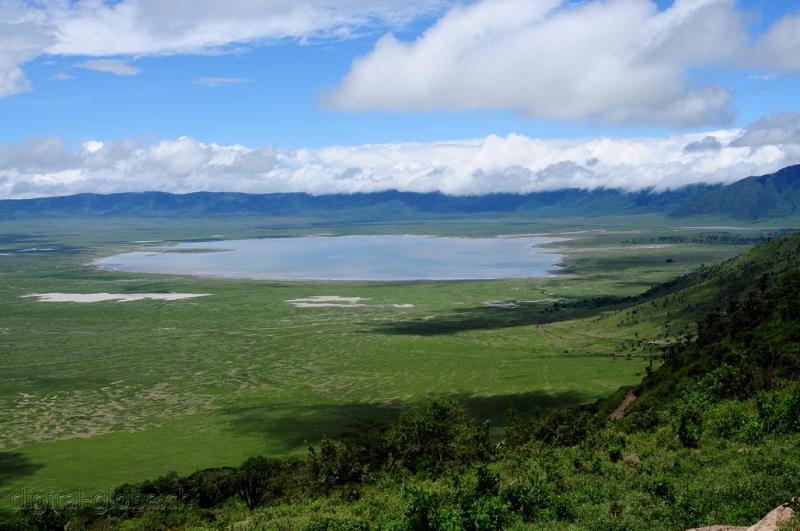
(96, 395)
(710, 437)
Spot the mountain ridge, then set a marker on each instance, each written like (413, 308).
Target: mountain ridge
(754, 198)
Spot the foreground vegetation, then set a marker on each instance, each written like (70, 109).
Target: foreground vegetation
(711, 438)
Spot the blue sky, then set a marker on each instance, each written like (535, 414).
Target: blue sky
(279, 102)
(295, 86)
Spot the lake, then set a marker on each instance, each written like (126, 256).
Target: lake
(349, 258)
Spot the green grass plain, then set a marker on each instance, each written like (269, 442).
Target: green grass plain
(94, 395)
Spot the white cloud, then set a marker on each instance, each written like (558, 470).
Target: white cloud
(214, 82)
(62, 76)
(615, 61)
(779, 48)
(779, 128)
(610, 61)
(154, 27)
(98, 28)
(23, 36)
(111, 66)
(514, 163)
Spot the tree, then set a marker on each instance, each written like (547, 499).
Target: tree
(260, 479)
(436, 433)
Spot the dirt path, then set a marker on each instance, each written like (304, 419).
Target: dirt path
(620, 411)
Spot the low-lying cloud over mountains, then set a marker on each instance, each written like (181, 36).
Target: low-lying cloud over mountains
(515, 163)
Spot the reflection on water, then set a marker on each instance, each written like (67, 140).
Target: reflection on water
(349, 258)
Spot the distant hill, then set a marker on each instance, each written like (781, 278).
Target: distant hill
(754, 198)
(355, 207)
(768, 196)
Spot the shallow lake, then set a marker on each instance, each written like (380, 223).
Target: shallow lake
(349, 258)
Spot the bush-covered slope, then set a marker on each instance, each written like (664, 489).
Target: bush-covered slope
(690, 297)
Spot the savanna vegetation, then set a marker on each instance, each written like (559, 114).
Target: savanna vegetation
(712, 436)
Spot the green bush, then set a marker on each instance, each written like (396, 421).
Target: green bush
(438, 433)
(425, 511)
(659, 485)
(261, 479)
(330, 523)
(779, 412)
(536, 500)
(208, 488)
(486, 513)
(729, 419)
(690, 427)
(329, 466)
(568, 427)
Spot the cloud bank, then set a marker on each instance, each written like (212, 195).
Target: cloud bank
(621, 62)
(514, 163)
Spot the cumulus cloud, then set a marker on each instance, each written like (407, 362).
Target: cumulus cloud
(111, 66)
(513, 163)
(617, 61)
(214, 82)
(779, 128)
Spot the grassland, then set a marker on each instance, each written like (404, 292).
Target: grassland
(93, 395)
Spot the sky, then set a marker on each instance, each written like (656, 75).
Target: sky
(342, 96)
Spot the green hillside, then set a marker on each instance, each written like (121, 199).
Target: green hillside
(677, 305)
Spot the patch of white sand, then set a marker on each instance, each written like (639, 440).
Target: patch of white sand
(118, 297)
(516, 303)
(336, 301)
(327, 301)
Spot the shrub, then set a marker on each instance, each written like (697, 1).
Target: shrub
(486, 513)
(690, 427)
(330, 523)
(536, 500)
(729, 419)
(779, 412)
(426, 512)
(328, 466)
(568, 427)
(210, 487)
(643, 418)
(660, 486)
(436, 433)
(260, 479)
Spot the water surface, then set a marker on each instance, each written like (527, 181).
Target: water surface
(349, 258)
